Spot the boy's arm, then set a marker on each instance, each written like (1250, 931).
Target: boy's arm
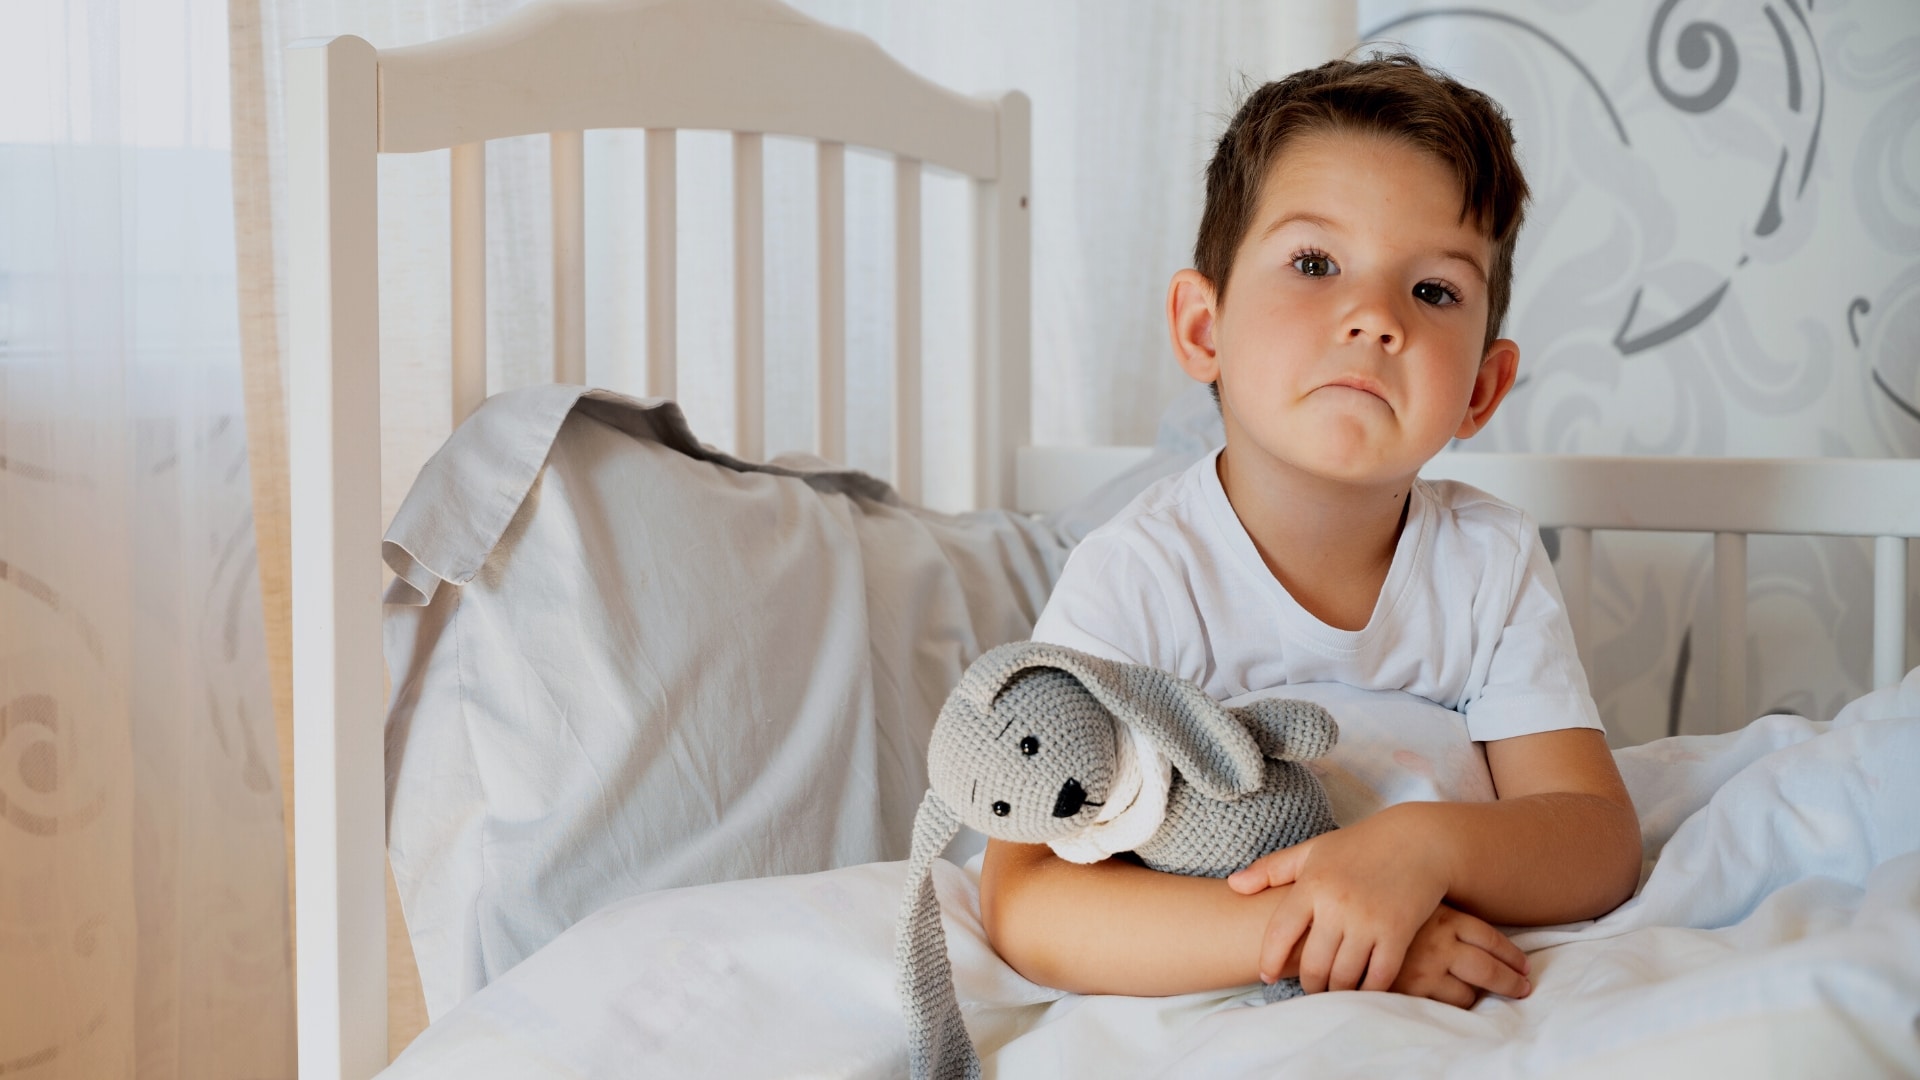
(1561, 843)
(1115, 927)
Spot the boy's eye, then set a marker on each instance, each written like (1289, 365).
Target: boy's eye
(1314, 264)
(1435, 293)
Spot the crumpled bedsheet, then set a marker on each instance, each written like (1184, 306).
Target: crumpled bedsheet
(1776, 933)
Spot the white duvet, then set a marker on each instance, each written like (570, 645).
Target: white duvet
(1777, 932)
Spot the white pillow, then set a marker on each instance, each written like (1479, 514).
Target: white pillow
(1189, 430)
(625, 662)
(1394, 747)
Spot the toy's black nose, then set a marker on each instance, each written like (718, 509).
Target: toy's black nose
(1072, 798)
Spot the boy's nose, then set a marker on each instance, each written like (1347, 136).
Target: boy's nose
(1360, 332)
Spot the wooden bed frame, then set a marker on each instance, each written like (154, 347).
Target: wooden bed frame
(755, 67)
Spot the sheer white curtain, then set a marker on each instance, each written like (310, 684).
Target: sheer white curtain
(143, 917)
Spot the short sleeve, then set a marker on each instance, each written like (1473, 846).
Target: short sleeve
(1534, 680)
(1111, 602)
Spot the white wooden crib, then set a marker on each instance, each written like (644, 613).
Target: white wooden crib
(756, 68)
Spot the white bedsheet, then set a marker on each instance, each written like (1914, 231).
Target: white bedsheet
(1777, 933)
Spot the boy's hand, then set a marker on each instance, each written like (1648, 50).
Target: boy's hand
(1359, 896)
(1454, 957)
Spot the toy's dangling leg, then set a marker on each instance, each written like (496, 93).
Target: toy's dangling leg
(937, 1044)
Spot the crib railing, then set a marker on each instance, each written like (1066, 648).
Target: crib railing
(1731, 499)
(563, 67)
(453, 90)
(660, 374)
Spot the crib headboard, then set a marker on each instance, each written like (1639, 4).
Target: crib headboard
(752, 67)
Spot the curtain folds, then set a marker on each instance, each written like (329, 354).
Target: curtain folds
(143, 914)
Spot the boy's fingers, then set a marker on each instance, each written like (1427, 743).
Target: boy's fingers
(1283, 933)
(1452, 991)
(1478, 933)
(1385, 964)
(1316, 959)
(1478, 968)
(1350, 963)
(1274, 868)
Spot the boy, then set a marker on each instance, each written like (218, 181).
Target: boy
(1353, 267)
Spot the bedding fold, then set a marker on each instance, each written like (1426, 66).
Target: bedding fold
(468, 493)
(624, 661)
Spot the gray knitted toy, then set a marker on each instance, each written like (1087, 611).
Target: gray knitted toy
(1025, 750)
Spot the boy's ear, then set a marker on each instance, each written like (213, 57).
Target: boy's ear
(1191, 311)
(1498, 368)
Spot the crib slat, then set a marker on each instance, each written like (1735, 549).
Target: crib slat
(749, 297)
(333, 471)
(831, 424)
(1730, 633)
(662, 265)
(1002, 312)
(567, 150)
(1889, 610)
(1576, 586)
(906, 328)
(469, 278)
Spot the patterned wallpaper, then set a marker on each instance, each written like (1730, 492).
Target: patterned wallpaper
(1722, 258)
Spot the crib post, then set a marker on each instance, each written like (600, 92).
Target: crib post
(663, 265)
(333, 457)
(1003, 333)
(467, 241)
(907, 434)
(1889, 610)
(566, 163)
(1576, 585)
(830, 410)
(749, 297)
(1730, 630)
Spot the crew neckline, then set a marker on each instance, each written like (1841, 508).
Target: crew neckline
(1400, 572)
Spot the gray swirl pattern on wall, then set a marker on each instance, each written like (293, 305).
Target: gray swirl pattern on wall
(1724, 201)
(1699, 44)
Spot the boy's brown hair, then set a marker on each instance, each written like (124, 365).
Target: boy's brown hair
(1391, 94)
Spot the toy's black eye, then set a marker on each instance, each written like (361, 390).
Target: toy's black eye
(1001, 809)
(1029, 746)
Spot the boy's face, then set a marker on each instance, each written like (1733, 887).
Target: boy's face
(1352, 346)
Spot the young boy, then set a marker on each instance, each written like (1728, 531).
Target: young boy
(1353, 267)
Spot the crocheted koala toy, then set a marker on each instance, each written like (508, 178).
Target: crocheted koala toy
(1027, 748)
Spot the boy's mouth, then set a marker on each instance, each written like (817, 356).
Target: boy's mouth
(1355, 382)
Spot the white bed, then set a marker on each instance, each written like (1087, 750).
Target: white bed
(539, 865)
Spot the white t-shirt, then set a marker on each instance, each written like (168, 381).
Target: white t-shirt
(1470, 616)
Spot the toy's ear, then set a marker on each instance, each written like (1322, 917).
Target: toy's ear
(1289, 730)
(937, 1042)
(1212, 749)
